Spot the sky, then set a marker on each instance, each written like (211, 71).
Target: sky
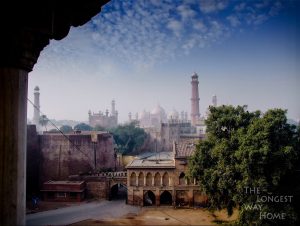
(143, 53)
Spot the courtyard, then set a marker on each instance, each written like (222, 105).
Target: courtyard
(118, 213)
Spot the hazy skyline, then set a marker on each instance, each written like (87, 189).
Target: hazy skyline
(142, 53)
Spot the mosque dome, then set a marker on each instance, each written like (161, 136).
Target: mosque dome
(36, 88)
(143, 114)
(173, 114)
(158, 114)
(158, 110)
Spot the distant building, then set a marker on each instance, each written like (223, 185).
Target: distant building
(105, 120)
(152, 119)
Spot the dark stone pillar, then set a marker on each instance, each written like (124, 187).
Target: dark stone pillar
(26, 28)
(13, 114)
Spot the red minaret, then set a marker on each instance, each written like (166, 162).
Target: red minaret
(195, 113)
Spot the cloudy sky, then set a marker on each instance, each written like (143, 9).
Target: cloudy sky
(143, 52)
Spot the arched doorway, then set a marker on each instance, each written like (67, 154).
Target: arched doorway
(157, 179)
(141, 179)
(149, 198)
(166, 198)
(182, 179)
(118, 191)
(133, 179)
(166, 179)
(149, 179)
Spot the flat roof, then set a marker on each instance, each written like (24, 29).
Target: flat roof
(153, 160)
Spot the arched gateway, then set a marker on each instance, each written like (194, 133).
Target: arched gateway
(118, 191)
(149, 198)
(166, 198)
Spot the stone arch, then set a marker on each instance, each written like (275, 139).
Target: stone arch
(182, 178)
(133, 179)
(118, 191)
(149, 198)
(149, 179)
(165, 179)
(166, 198)
(141, 179)
(157, 179)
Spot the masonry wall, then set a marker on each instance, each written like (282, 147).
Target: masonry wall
(61, 157)
(33, 159)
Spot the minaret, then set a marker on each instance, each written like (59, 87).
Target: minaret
(214, 101)
(36, 112)
(195, 113)
(129, 117)
(113, 108)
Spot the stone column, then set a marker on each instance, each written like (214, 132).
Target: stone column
(21, 41)
(13, 117)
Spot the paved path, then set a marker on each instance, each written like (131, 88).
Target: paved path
(94, 210)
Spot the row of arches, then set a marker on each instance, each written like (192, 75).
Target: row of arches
(149, 180)
(164, 199)
(156, 180)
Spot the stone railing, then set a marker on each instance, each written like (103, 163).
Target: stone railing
(121, 174)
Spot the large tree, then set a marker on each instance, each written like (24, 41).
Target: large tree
(43, 120)
(248, 150)
(83, 127)
(66, 129)
(129, 137)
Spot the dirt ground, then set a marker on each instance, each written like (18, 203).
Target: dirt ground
(44, 206)
(165, 216)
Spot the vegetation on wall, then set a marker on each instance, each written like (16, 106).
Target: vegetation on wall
(248, 158)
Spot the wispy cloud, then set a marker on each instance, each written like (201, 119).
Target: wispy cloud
(212, 6)
(145, 33)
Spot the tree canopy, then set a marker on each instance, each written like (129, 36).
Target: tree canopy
(248, 150)
(43, 120)
(129, 138)
(83, 127)
(66, 129)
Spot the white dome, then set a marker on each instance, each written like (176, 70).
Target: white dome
(173, 114)
(158, 110)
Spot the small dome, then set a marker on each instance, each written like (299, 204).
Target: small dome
(173, 114)
(36, 88)
(158, 110)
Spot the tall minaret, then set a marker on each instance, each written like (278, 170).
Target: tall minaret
(113, 108)
(36, 112)
(214, 101)
(195, 113)
(129, 117)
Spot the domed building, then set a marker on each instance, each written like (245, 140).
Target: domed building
(173, 115)
(158, 116)
(144, 119)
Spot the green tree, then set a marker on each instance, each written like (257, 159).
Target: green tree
(66, 129)
(129, 137)
(99, 128)
(44, 121)
(83, 127)
(247, 149)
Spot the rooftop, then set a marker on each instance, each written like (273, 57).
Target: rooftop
(153, 160)
(63, 182)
